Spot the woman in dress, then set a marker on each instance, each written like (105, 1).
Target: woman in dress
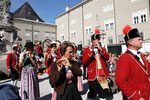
(29, 79)
(64, 74)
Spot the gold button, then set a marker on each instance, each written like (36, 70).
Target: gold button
(145, 87)
(140, 71)
(145, 94)
(143, 79)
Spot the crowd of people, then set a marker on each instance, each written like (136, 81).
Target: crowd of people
(106, 73)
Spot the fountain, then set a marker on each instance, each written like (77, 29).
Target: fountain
(8, 33)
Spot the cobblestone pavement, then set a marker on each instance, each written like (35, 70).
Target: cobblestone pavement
(45, 89)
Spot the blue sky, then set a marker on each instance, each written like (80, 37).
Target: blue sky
(46, 9)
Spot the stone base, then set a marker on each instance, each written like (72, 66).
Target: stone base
(3, 67)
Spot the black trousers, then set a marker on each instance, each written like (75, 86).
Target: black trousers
(84, 70)
(14, 74)
(95, 88)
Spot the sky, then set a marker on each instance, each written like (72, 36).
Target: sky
(46, 9)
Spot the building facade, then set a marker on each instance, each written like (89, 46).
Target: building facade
(77, 24)
(31, 26)
(30, 30)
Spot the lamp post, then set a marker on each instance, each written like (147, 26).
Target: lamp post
(30, 14)
(32, 30)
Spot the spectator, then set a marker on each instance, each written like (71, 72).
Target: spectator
(112, 73)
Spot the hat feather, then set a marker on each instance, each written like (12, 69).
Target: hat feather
(126, 29)
(97, 31)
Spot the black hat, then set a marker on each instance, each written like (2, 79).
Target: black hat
(80, 47)
(29, 45)
(52, 45)
(96, 35)
(130, 32)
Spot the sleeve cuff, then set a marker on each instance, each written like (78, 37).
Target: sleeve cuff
(8, 67)
(135, 95)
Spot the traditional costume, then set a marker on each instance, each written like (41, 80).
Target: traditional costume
(39, 51)
(29, 78)
(97, 72)
(51, 57)
(133, 71)
(13, 64)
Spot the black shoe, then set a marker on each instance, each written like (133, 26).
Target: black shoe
(84, 78)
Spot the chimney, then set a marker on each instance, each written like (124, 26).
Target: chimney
(67, 8)
(37, 20)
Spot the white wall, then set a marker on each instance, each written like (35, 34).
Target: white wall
(145, 48)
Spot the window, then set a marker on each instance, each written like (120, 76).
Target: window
(88, 15)
(73, 34)
(36, 34)
(62, 26)
(28, 33)
(133, 0)
(139, 16)
(143, 14)
(53, 36)
(143, 18)
(62, 37)
(142, 35)
(72, 22)
(136, 20)
(108, 8)
(88, 30)
(88, 42)
(109, 24)
(47, 35)
(121, 38)
(110, 40)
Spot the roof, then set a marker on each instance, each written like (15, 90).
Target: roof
(32, 21)
(27, 12)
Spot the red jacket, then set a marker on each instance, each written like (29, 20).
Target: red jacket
(132, 78)
(39, 49)
(49, 60)
(88, 58)
(12, 60)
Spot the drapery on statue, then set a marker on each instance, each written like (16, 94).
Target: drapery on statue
(6, 15)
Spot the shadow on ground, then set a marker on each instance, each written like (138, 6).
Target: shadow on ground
(85, 88)
(42, 79)
(46, 97)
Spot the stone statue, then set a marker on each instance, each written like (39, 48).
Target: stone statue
(6, 16)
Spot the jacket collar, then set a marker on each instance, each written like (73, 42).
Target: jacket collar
(140, 64)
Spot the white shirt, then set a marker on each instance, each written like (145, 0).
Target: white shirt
(135, 53)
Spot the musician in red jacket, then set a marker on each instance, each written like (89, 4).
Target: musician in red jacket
(133, 70)
(39, 51)
(12, 65)
(52, 56)
(97, 73)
